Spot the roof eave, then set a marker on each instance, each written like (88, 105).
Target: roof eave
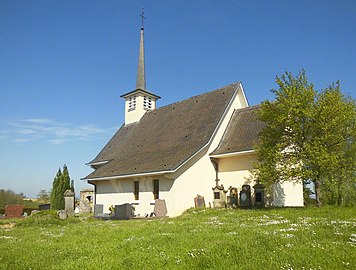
(233, 154)
(142, 92)
(126, 175)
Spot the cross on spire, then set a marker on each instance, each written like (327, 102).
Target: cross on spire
(142, 15)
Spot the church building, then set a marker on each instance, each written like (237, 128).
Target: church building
(199, 146)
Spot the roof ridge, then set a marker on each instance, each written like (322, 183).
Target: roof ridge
(202, 94)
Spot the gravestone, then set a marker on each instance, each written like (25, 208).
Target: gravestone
(98, 210)
(123, 211)
(232, 200)
(62, 214)
(14, 211)
(259, 195)
(219, 197)
(245, 197)
(86, 200)
(199, 201)
(46, 206)
(69, 201)
(160, 208)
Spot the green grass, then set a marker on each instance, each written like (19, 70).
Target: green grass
(308, 238)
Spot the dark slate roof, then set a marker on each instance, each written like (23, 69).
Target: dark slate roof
(165, 137)
(241, 133)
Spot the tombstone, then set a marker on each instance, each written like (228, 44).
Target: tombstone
(160, 208)
(62, 214)
(259, 195)
(219, 197)
(232, 199)
(69, 201)
(245, 197)
(123, 211)
(86, 200)
(14, 211)
(199, 201)
(98, 210)
(43, 207)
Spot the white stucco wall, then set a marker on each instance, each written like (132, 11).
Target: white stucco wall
(120, 191)
(235, 171)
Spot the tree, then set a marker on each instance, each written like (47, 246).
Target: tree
(60, 184)
(10, 197)
(309, 135)
(44, 196)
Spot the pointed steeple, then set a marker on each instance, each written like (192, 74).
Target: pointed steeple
(139, 101)
(141, 77)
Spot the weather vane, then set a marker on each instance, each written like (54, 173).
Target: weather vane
(142, 16)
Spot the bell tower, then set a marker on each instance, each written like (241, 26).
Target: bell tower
(139, 101)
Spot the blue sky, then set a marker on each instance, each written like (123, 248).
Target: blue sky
(64, 65)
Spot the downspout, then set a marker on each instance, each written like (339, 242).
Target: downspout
(94, 202)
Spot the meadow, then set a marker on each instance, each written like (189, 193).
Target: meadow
(290, 238)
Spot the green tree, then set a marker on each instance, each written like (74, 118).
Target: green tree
(10, 197)
(44, 196)
(60, 184)
(310, 136)
(55, 194)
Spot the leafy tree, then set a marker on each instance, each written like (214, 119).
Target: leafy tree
(44, 196)
(10, 197)
(309, 135)
(60, 184)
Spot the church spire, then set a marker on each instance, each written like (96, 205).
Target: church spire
(139, 101)
(141, 78)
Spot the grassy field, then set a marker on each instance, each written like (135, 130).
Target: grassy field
(308, 238)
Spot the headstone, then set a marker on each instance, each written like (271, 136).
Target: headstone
(98, 210)
(86, 200)
(46, 206)
(219, 197)
(199, 201)
(245, 197)
(259, 195)
(14, 211)
(69, 201)
(232, 200)
(160, 208)
(123, 211)
(62, 214)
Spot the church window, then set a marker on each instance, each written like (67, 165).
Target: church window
(156, 189)
(136, 190)
(147, 103)
(132, 103)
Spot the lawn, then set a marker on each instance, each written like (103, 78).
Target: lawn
(304, 238)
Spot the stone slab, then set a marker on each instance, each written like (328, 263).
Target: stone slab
(199, 201)
(160, 208)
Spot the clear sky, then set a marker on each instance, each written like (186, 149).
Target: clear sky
(64, 65)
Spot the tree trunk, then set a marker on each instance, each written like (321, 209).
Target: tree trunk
(317, 193)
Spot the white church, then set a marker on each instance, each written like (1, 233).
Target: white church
(181, 150)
